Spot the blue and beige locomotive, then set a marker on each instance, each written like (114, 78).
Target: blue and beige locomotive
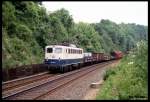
(63, 58)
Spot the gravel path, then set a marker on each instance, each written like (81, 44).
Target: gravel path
(92, 92)
(80, 89)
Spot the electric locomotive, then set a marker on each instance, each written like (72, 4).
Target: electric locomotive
(63, 58)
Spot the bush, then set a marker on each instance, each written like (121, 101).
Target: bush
(23, 32)
(109, 73)
(129, 79)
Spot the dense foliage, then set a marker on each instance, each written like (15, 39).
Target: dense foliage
(27, 28)
(129, 80)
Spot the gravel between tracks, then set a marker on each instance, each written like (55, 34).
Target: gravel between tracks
(80, 89)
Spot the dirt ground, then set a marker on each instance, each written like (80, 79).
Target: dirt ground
(92, 93)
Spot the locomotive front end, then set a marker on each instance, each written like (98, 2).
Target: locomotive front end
(53, 56)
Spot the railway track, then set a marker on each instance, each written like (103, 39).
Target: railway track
(64, 82)
(8, 86)
(21, 81)
(43, 88)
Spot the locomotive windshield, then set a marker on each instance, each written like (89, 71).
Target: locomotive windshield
(49, 50)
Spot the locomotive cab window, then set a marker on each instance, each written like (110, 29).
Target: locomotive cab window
(58, 50)
(49, 50)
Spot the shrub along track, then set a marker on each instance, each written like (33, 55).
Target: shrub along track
(45, 87)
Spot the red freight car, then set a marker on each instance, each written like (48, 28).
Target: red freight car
(117, 54)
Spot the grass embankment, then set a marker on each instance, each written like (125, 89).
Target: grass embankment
(129, 80)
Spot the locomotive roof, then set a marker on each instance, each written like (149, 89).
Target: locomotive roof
(62, 46)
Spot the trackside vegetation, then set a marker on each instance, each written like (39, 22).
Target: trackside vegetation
(27, 28)
(129, 80)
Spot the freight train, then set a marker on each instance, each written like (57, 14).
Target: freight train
(66, 58)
